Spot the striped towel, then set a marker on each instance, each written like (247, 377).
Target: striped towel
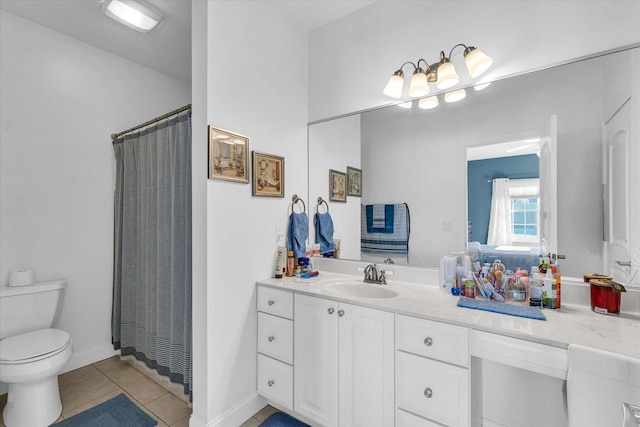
(377, 217)
(379, 242)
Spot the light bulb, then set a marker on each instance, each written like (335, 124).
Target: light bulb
(447, 76)
(476, 61)
(455, 96)
(428, 103)
(394, 87)
(419, 85)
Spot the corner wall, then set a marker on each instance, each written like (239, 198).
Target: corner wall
(256, 85)
(61, 100)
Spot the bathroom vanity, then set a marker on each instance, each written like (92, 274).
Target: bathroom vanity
(334, 351)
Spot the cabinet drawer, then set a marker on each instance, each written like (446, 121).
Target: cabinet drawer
(436, 340)
(405, 419)
(275, 301)
(275, 337)
(275, 381)
(435, 390)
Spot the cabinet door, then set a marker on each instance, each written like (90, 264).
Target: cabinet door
(366, 362)
(316, 359)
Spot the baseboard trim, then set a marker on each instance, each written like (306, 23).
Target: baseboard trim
(236, 415)
(87, 357)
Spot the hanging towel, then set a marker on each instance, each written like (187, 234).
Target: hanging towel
(395, 240)
(298, 234)
(374, 215)
(324, 231)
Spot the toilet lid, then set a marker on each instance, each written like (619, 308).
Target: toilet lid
(33, 344)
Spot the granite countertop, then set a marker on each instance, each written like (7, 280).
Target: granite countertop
(573, 324)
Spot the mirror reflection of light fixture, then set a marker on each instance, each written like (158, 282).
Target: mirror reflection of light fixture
(428, 103)
(406, 105)
(455, 96)
(443, 72)
(136, 14)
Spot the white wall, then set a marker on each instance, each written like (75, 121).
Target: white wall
(61, 100)
(352, 59)
(256, 85)
(336, 145)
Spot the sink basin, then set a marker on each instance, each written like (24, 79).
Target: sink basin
(359, 289)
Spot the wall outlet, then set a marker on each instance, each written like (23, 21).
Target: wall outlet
(279, 233)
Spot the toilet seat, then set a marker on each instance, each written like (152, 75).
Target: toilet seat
(33, 346)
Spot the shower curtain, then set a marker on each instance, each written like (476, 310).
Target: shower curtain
(151, 317)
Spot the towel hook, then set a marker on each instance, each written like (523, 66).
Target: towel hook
(294, 200)
(319, 203)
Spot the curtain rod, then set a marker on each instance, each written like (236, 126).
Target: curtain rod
(115, 136)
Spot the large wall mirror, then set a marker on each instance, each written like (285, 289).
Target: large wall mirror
(420, 157)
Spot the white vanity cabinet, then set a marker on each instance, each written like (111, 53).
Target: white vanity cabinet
(275, 346)
(344, 363)
(432, 373)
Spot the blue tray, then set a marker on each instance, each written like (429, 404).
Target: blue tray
(502, 308)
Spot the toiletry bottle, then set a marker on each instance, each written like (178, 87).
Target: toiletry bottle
(550, 296)
(280, 257)
(291, 264)
(535, 288)
(555, 271)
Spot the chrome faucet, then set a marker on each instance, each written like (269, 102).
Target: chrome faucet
(371, 275)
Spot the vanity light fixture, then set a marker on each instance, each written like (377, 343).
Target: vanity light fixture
(136, 14)
(428, 103)
(442, 73)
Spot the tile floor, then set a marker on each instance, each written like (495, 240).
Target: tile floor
(91, 385)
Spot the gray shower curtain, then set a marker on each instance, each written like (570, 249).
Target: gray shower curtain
(151, 317)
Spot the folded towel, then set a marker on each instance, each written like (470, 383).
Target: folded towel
(377, 218)
(324, 231)
(298, 234)
(393, 241)
(377, 226)
(502, 308)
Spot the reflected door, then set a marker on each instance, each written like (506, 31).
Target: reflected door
(616, 167)
(548, 189)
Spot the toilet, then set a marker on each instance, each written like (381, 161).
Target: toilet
(32, 354)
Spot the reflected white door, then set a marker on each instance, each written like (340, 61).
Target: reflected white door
(549, 190)
(616, 191)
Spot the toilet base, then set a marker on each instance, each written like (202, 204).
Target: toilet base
(33, 405)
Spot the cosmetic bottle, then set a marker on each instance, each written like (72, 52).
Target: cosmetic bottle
(280, 257)
(555, 271)
(549, 291)
(291, 264)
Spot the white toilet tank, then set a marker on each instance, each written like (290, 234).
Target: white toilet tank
(28, 308)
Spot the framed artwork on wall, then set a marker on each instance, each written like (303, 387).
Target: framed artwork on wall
(268, 175)
(337, 186)
(228, 155)
(354, 182)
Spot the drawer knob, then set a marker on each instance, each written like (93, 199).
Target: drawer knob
(271, 338)
(340, 313)
(428, 393)
(428, 341)
(270, 383)
(330, 310)
(271, 302)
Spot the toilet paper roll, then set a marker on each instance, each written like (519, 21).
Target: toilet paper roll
(21, 277)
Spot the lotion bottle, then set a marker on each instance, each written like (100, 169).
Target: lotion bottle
(280, 260)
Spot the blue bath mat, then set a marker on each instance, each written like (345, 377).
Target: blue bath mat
(280, 419)
(502, 308)
(117, 412)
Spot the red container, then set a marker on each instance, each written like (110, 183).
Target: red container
(603, 299)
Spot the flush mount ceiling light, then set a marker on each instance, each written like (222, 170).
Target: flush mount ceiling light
(136, 14)
(442, 73)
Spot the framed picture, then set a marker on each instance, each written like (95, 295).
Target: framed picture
(228, 155)
(268, 175)
(354, 182)
(337, 186)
